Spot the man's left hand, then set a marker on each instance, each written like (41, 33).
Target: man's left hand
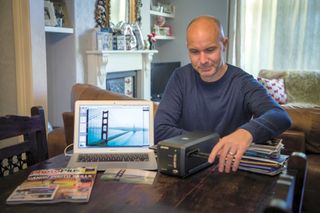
(230, 150)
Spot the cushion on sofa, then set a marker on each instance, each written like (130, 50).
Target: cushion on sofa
(275, 88)
(301, 86)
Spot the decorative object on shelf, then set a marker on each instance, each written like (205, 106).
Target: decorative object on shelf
(121, 42)
(152, 40)
(102, 39)
(168, 8)
(160, 21)
(163, 7)
(160, 26)
(61, 13)
(162, 31)
(49, 14)
(139, 38)
(156, 8)
(126, 34)
(131, 41)
(102, 13)
(146, 44)
(162, 11)
(125, 37)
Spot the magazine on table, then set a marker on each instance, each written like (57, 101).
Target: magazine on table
(55, 185)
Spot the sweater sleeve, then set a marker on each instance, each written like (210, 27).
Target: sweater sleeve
(166, 120)
(269, 119)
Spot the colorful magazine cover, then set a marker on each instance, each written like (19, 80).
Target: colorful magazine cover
(55, 185)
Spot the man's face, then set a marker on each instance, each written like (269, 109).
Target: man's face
(206, 46)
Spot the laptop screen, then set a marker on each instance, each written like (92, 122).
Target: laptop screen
(114, 124)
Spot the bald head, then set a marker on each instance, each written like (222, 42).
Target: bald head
(206, 44)
(205, 23)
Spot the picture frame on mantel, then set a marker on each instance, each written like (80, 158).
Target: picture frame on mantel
(49, 14)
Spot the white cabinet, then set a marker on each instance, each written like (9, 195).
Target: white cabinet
(161, 16)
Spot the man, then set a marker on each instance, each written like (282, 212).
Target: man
(211, 95)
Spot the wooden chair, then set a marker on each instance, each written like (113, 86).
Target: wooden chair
(289, 191)
(34, 147)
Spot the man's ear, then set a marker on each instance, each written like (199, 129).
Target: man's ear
(225, 42)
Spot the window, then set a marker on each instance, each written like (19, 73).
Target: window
(279, 34)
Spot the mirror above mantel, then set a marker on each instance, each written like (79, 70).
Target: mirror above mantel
(111, 12)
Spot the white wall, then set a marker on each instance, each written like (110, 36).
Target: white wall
(186, 10)
(66, 59)
(84, 23)
(145, 22)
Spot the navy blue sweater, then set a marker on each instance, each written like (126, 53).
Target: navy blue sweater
(235, 101)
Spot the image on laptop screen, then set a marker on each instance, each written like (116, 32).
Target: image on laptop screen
(113, 126)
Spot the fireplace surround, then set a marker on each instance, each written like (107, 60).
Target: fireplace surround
(123, 83)
(100, 63)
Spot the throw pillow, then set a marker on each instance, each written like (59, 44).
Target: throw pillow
(275, 88)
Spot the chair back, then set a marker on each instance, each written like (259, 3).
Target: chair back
(31, 150)
(289, 191)
(297, 167)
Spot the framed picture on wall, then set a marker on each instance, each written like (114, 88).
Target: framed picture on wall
(49, 14)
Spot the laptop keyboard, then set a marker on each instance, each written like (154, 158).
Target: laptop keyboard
(114, 157)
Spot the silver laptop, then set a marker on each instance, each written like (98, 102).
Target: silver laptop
(113, 134)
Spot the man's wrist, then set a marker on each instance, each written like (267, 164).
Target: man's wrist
(246, 135)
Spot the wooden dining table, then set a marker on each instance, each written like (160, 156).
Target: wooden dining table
(205, 191)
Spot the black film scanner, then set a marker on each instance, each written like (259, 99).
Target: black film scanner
(185, 154)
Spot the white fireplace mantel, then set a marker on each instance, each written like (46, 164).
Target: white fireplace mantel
(102, 62)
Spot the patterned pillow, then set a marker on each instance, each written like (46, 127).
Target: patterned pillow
(275, 88)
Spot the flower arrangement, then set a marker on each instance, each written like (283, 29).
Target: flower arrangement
(152, 40)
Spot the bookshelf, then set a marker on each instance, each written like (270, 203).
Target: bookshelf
(67, 30)
(164, 13)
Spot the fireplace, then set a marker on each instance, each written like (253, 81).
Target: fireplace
(102, 64)
(124, 83)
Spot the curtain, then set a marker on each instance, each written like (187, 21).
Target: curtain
(274, 34)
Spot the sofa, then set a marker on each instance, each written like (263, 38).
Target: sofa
(297, 138)
(303, 106)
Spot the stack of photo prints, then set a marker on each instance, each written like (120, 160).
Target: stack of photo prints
(264, 158)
